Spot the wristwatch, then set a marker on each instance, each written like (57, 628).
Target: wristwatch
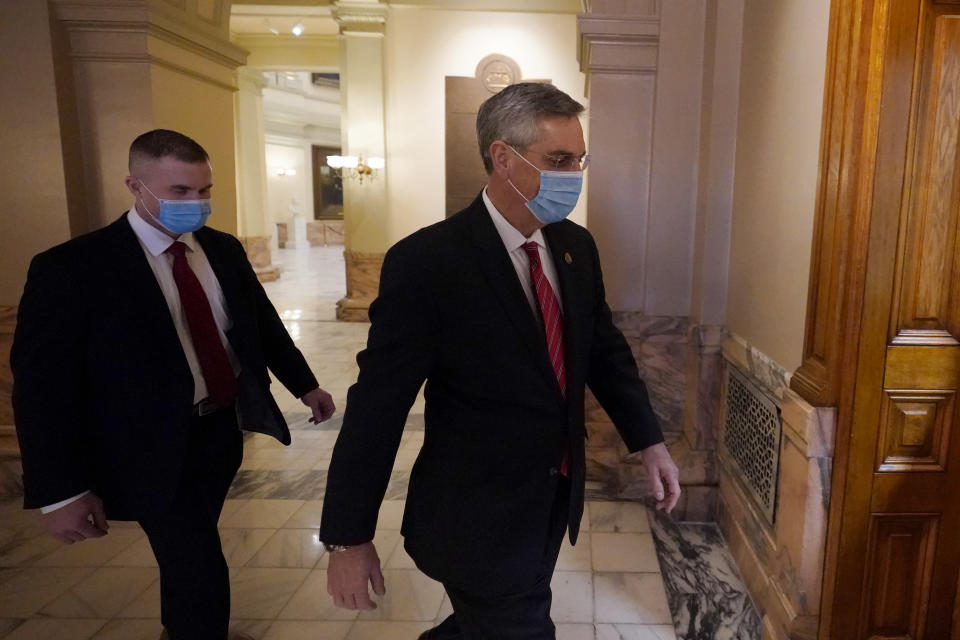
(336, 548)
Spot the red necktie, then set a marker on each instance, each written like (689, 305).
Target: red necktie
(214, 363)
(552, 323)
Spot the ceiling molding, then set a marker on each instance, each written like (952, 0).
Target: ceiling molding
(510, 6)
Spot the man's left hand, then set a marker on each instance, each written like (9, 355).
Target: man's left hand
(320, 403)
(664, 476)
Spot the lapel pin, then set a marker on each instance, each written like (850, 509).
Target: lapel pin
(567, 258)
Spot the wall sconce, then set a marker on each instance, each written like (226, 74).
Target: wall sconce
(354, 168)
(286, 172)
(297, 29)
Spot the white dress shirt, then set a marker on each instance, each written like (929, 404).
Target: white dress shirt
(513, 240)
(154, 242)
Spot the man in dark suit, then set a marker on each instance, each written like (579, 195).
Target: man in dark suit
(501, 310)
(141, 350)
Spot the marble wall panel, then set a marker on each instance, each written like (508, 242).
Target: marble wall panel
(659, 346)
(761, 367)
(701, 420)
(782, 563)
(8, 322)
(11, 479)
(682, 367)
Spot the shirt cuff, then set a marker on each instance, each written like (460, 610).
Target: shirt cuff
(62, 503)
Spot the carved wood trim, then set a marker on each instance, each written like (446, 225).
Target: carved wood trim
(915, 431)
(898, 575)
(841, 218)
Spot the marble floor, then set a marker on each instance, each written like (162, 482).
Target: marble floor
(609, 587)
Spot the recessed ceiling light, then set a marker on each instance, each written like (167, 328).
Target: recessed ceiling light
(297, 29)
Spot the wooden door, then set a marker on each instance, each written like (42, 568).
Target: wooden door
(886, 280)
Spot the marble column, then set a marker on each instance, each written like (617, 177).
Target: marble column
(365, 212)
(254, 226)
(140, 65)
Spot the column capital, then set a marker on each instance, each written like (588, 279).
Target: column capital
(621, 42)
(360, 16)
(250, 77)
(114, 31)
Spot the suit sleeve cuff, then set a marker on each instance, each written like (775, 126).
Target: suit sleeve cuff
(59, 505)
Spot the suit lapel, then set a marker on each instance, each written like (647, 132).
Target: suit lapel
(492, 257)
(127, 263)
(142, 288)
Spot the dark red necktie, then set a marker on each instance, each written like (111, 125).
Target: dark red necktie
(214, 363)
(552, 323)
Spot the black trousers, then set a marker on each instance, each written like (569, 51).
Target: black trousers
(194, 580)
(524, 616)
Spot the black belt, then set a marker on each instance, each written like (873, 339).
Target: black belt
(205, 407)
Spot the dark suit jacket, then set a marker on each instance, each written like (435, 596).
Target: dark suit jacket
(102, 391)
(451, 311)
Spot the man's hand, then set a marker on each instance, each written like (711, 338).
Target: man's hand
(321, 403)
(662, 472)
(348, 573)
(81, 519)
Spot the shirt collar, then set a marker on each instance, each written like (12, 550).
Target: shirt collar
(512, 239)
(154, 240)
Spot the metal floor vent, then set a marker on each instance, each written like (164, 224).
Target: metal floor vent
(752, 439)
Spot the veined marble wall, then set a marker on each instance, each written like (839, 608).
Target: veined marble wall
(782, 563)
(8, 322)
(10, 469)
(666, 348)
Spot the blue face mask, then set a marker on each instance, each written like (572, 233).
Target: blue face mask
(180, 216)
(558, 195)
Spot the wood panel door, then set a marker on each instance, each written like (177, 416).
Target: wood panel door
(893, 557)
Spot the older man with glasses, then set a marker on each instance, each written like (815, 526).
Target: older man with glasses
(500, 309)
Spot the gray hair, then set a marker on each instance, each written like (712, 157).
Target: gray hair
(513, 115)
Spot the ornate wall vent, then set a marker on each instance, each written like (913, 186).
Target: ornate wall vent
(752, 439)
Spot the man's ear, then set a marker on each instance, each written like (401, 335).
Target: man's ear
(500, 157)
(133, 185)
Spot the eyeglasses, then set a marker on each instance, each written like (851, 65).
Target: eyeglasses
(565, 161)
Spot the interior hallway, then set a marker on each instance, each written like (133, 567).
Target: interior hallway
(609, 587)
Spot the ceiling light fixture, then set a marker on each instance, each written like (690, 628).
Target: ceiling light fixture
(297, 29)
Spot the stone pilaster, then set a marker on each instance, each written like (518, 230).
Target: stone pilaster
(618, 45)
(365, 210)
